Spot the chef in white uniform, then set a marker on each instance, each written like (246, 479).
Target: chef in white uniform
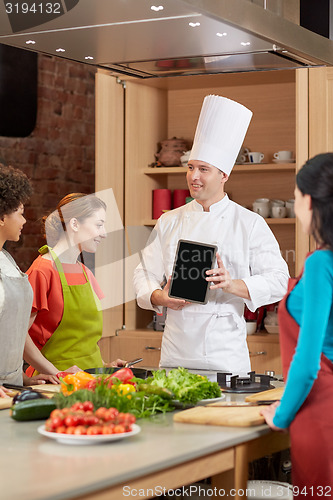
(249, 268)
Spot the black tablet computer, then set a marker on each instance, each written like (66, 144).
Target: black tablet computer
(192, 261)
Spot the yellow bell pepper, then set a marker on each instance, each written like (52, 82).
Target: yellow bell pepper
(125, 390)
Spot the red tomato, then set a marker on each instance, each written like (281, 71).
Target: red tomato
(80, 430)
(91, 420)
(77, 406)
(48, 425)
(56, 422)
(111, 414)
(61, 374)
(87, 405)
(61, 430)
(70, 430)
(100, 412)
(70, 421)
(126, 418)
(94, 430)
(107, 429)
(118, 429)
(56, 413)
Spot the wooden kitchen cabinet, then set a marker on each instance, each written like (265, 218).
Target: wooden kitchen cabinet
(131, 344)
(264, 353)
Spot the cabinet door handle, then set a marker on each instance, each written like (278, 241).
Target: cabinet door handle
(151, 348)
(258, 353)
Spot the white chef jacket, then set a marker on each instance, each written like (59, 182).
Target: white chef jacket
(212, 336)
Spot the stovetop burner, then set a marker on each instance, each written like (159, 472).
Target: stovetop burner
(253, 383)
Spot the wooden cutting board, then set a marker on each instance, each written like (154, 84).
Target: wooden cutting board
(8, 402)
(47, 387)
(266, 395)
(231, 417)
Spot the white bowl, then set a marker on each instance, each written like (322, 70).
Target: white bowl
(272, 328)
(251, 327)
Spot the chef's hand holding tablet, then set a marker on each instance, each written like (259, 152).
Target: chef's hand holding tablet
(161, 298)
(219, 277)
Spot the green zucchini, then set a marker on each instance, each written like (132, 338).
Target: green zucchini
(34, 409)
(154, 389)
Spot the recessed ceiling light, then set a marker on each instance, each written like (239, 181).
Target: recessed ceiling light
(194, 25)
(221, 34)
(60, 50)
(89, 57)
(157, 8)
(245, 43)
(30, 41)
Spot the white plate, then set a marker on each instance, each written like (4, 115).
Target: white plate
(101, 438)
(202, 402)
(283, 161)
(211, 400)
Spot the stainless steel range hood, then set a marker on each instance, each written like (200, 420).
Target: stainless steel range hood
(171, 37)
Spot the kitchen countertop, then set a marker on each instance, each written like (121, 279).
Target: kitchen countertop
(34, 467)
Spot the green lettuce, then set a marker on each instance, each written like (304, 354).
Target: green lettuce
(188, 388)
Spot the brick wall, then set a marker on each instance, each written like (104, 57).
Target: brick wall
(59, 155)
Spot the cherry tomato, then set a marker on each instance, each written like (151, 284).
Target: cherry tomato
(56, 422)
(77, 406)
(61, 430)
(94, 430)
(48, 425)
(111, 414)
(70, 430)
(80, 430)
(126, 418)
(118, 429)
(70, 421)
(108, 429)
(88, 406)
(56, 413)
(100, 412)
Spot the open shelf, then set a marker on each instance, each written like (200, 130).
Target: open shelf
(286, 220)
(260, 167)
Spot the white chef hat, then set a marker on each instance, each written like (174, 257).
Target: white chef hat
(220, 132)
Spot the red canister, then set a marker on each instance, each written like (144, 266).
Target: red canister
(179, 197)
(161, 201)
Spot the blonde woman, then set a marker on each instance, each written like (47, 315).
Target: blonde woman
(67, 318)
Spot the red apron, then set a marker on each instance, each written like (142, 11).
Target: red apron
(311, 432)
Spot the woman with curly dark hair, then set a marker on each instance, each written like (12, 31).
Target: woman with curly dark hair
(15, 291)
(306, 339)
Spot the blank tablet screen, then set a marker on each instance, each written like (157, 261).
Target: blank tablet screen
(189, 272)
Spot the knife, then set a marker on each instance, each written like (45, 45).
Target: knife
(133, 362)
(238, 404)
(26, 388)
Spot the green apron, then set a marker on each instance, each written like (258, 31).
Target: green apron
(74, 342)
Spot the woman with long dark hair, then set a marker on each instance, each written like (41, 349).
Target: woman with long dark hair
(306, 339)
